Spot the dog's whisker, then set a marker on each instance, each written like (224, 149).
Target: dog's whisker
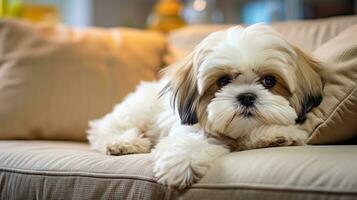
(230, 121)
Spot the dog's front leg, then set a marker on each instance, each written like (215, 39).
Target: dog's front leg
(184, 156)
(274, 135)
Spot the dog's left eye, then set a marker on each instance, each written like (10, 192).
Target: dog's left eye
(269, 81)
(224, 80)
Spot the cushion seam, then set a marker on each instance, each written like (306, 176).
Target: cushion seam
(74, 173)
(267, 187)
(334, 111)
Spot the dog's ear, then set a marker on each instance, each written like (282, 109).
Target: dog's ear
(310, 83)
(183, 85)
(306, 106)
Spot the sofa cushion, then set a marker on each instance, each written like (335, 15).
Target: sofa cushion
(306, 34)
(335, 119)
(53, 79)
(304, 172)
(70, 170)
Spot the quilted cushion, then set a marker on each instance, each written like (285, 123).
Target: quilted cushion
(71, 170)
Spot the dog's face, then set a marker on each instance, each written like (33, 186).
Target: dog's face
(243, 78)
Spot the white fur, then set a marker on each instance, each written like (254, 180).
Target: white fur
(183, 154)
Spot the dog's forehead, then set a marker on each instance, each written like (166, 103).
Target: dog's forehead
(245, 47)
(251, 45)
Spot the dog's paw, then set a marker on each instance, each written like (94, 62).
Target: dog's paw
(275, 136)
(176, 172)
(124, 148)
(128, 143)
(284, 141)
(279, 141)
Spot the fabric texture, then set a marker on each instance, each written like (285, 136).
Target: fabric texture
(54, 79)
(71, 170)
(335, 119)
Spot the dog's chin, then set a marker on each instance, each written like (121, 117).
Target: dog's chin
(242, 124)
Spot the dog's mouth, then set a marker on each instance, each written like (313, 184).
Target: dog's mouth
(247, 113)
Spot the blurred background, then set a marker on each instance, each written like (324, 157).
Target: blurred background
(170, 14)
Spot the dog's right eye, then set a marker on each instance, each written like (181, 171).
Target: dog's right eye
(224, 80)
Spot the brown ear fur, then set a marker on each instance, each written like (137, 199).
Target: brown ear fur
(309, 87)
(183, 84)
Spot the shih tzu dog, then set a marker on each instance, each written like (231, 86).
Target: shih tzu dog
(242, 88)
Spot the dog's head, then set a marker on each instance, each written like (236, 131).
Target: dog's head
(242, 78)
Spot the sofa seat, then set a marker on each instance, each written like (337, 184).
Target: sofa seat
(71, 170)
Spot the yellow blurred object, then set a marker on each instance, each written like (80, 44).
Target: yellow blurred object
(14, 8)
(166, 16)
(3, 6)
(32, 12)
(40, 13)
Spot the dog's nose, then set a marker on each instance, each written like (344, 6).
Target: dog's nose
(247, 99)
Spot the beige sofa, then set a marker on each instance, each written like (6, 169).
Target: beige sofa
(54, 79)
